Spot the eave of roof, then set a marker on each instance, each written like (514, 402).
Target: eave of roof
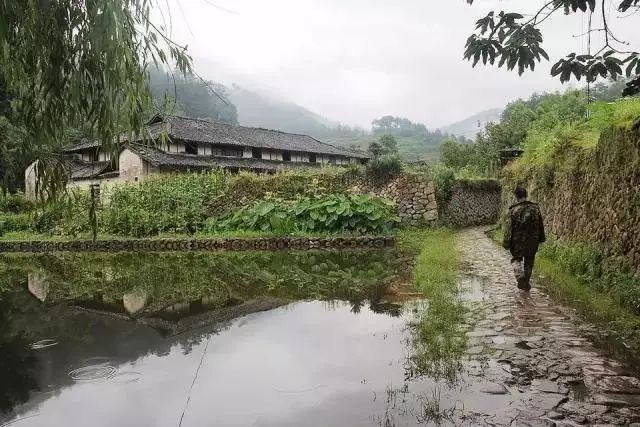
(164, 160)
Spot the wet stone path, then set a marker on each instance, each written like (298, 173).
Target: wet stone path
(530, 350)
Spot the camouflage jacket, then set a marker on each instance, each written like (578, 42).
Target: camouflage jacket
(524, 229)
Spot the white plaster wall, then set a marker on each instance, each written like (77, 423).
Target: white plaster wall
(30, 181)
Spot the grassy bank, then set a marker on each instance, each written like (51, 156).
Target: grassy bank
(438, 342)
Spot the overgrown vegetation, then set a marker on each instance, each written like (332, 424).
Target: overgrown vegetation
(301, 202)
(593, 269)
(438, 341)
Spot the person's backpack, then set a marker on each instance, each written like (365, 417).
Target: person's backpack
(528, 220)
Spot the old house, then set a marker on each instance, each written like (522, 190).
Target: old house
(185, 144)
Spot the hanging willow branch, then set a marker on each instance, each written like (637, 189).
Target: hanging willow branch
(74, 62)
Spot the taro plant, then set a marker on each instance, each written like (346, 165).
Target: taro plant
(319, 214)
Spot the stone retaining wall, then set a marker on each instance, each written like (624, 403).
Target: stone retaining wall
(415, 196)
(593, 197)
(472, 203)
(268, 243)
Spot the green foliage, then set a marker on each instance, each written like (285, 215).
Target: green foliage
(382, 169)
(516, 41)
(172, 203)
(386, 145)
(15, 203)
(444, 178)
(15, 222)
(320, 214)
(594, 269)
(98, 75)
(438, 343)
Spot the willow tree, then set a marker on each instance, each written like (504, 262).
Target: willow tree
(69, 63)
(510, 39)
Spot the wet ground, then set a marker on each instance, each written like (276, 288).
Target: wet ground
(293, 339)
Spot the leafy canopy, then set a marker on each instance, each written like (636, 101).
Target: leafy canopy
(514, 40)
(70, 62)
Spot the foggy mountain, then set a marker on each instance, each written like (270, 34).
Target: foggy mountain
(470, 126)
(258, 110)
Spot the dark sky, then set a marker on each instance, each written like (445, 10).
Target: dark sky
(354, 60)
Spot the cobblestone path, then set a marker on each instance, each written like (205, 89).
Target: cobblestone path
(534, 355)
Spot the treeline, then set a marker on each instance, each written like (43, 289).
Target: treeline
(537, 125)
(403, 127)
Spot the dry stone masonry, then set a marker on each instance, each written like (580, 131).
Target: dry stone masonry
(415, 197)
(268, 243)
(595, 198)
(472, 203)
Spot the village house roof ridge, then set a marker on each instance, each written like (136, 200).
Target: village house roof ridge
(250, 140)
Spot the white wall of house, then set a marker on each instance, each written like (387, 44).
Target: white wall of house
(247, 153)
(300, 157)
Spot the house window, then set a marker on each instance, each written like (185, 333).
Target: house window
(286, 156)
(256, 153)
(231, 152)
(312, 157)
(190, 148)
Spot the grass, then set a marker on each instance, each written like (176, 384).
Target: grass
(438, 342)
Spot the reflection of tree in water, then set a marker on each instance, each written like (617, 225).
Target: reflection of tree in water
(167, 280)
(215, 279)
(17, 365)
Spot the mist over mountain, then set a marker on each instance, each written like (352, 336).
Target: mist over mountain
(470, 126)
(259, 110)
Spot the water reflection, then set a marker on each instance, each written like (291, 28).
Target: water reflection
(106, 331)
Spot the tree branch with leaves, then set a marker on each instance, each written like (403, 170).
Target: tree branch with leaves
(509, 39)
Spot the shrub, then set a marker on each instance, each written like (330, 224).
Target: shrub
(595, 270)
(443, 178)
(16, 203)
(384, 168)
(15, 222)
(321, 214)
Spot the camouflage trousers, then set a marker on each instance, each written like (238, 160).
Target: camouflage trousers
(522, 269)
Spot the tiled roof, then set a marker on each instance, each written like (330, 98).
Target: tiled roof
(82, 145)
(86, 170)
(187, 129)
(164, 160)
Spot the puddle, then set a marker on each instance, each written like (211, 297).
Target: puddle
(270, 339)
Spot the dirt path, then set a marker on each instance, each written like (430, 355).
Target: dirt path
(534, 352)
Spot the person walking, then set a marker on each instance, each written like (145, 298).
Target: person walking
(523, 235)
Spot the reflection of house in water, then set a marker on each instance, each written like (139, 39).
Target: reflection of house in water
(38, 285)
(185, 144)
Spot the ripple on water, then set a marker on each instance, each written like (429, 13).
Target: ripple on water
(39, 345)
(94, 371)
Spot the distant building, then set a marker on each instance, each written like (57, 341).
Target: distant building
(184, 144)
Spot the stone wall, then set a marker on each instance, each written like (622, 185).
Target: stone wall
(592, 197)
(415, 197)
(472, 203)
(229, 244)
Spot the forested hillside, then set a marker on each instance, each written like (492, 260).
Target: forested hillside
(192, 97)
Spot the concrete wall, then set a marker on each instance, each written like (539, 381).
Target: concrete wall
(472, 203)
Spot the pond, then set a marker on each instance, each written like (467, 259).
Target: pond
(253, 338)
